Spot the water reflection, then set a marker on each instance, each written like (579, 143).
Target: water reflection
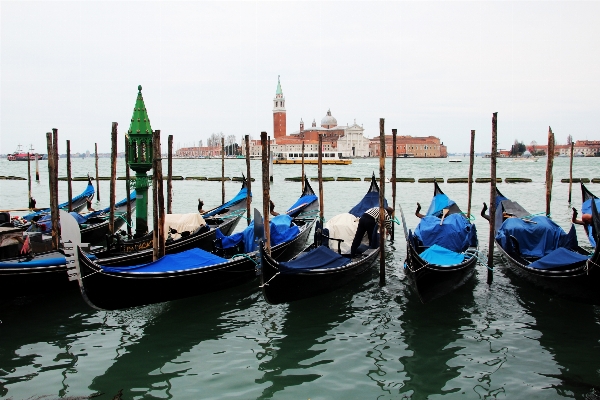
(569, 332)
(295, 352)
(433, 332)
(140, 366)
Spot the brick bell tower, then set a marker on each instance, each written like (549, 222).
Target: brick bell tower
(279, 112)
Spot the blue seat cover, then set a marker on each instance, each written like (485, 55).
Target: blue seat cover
(441, 256)
(320, 258)
(560, 258)
(186, 260)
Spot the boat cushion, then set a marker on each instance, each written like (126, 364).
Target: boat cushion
(536, 239)
(342, 226)
(282, 230)
(441, 256)
(183, 223)
(560, 258)
(186, 260)
(456, 232)
(320, 258)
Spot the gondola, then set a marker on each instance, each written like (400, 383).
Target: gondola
(94, 225)
(41, 272)
(139, 251)
(442, 251)
(77, 202)
(189, 273)
(317, 269)
(540, 251)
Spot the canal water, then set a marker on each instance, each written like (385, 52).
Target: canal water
(506, 340)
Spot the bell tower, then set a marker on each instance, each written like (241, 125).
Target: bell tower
(279, 113)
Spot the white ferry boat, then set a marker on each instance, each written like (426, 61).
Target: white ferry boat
(291, 157)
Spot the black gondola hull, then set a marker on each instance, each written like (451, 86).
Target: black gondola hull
(283, 288)
(431, 281)
(113, 291)
(581, 283)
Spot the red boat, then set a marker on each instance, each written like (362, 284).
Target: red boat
(19, 155)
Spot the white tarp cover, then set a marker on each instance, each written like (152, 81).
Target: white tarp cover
(183, 223)
(342, 226)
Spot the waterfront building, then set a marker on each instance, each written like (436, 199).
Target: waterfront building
(410, 146)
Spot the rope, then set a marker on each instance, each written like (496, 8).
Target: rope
(125, 219)
(267, 282)
(470, 217)
(587, 268)
(246, 256)
(479, 260)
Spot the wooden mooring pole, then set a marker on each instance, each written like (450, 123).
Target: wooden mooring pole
(471, 162)
(549, 164)
(169, 174)
(160, 196)
(222, 170)
(490, 261)
(127, 186)
(97, 177)
(37, 168)
(69, 183)
(249, 180)
(264, 141)
(51, 139)
(394, 134)
(113, 177)
(382, 209)
(571, 171)
(320, 175)
(302, 179)
(29, 180)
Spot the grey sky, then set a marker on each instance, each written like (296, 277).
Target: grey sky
(428, 68)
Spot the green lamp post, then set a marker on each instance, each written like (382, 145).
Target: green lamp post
(139, 145)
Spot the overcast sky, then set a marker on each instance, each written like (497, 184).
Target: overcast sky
(428, 68)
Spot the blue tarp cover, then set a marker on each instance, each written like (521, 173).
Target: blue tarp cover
(438, 203)
(301, 203)
(535, 240)
(282, 230)
(455, 234)
(370, 200)
(320, 258)
(560, 258)
(239, 197)
(441, 256)
(186, 260)
(42, 262)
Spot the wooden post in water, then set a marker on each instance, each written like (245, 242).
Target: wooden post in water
(29, 180)
(549, 165)
(270, 159)
(382, 209)
(69, 183)
(37, 168)
(265, 189)
(169, 174)
(53, 182)
(320, 174)
(302, 178)
(55, 227)
(127, 186)
(471, 162)
(394, 134)
(113, 177)
(222, 170)
(155, 225)
(160, 197)
(490, 262)
(571, 171)
(249, 183)
(97, 177)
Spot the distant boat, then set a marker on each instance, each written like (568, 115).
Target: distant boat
(454, 160)
(19, 155)
(309, 158)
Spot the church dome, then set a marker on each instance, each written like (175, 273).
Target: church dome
(328, 121)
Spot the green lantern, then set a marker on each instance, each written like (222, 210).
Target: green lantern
(140, 160)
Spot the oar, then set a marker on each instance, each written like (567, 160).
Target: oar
(444, 212)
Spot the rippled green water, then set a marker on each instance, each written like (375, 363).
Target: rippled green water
(507, 340)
